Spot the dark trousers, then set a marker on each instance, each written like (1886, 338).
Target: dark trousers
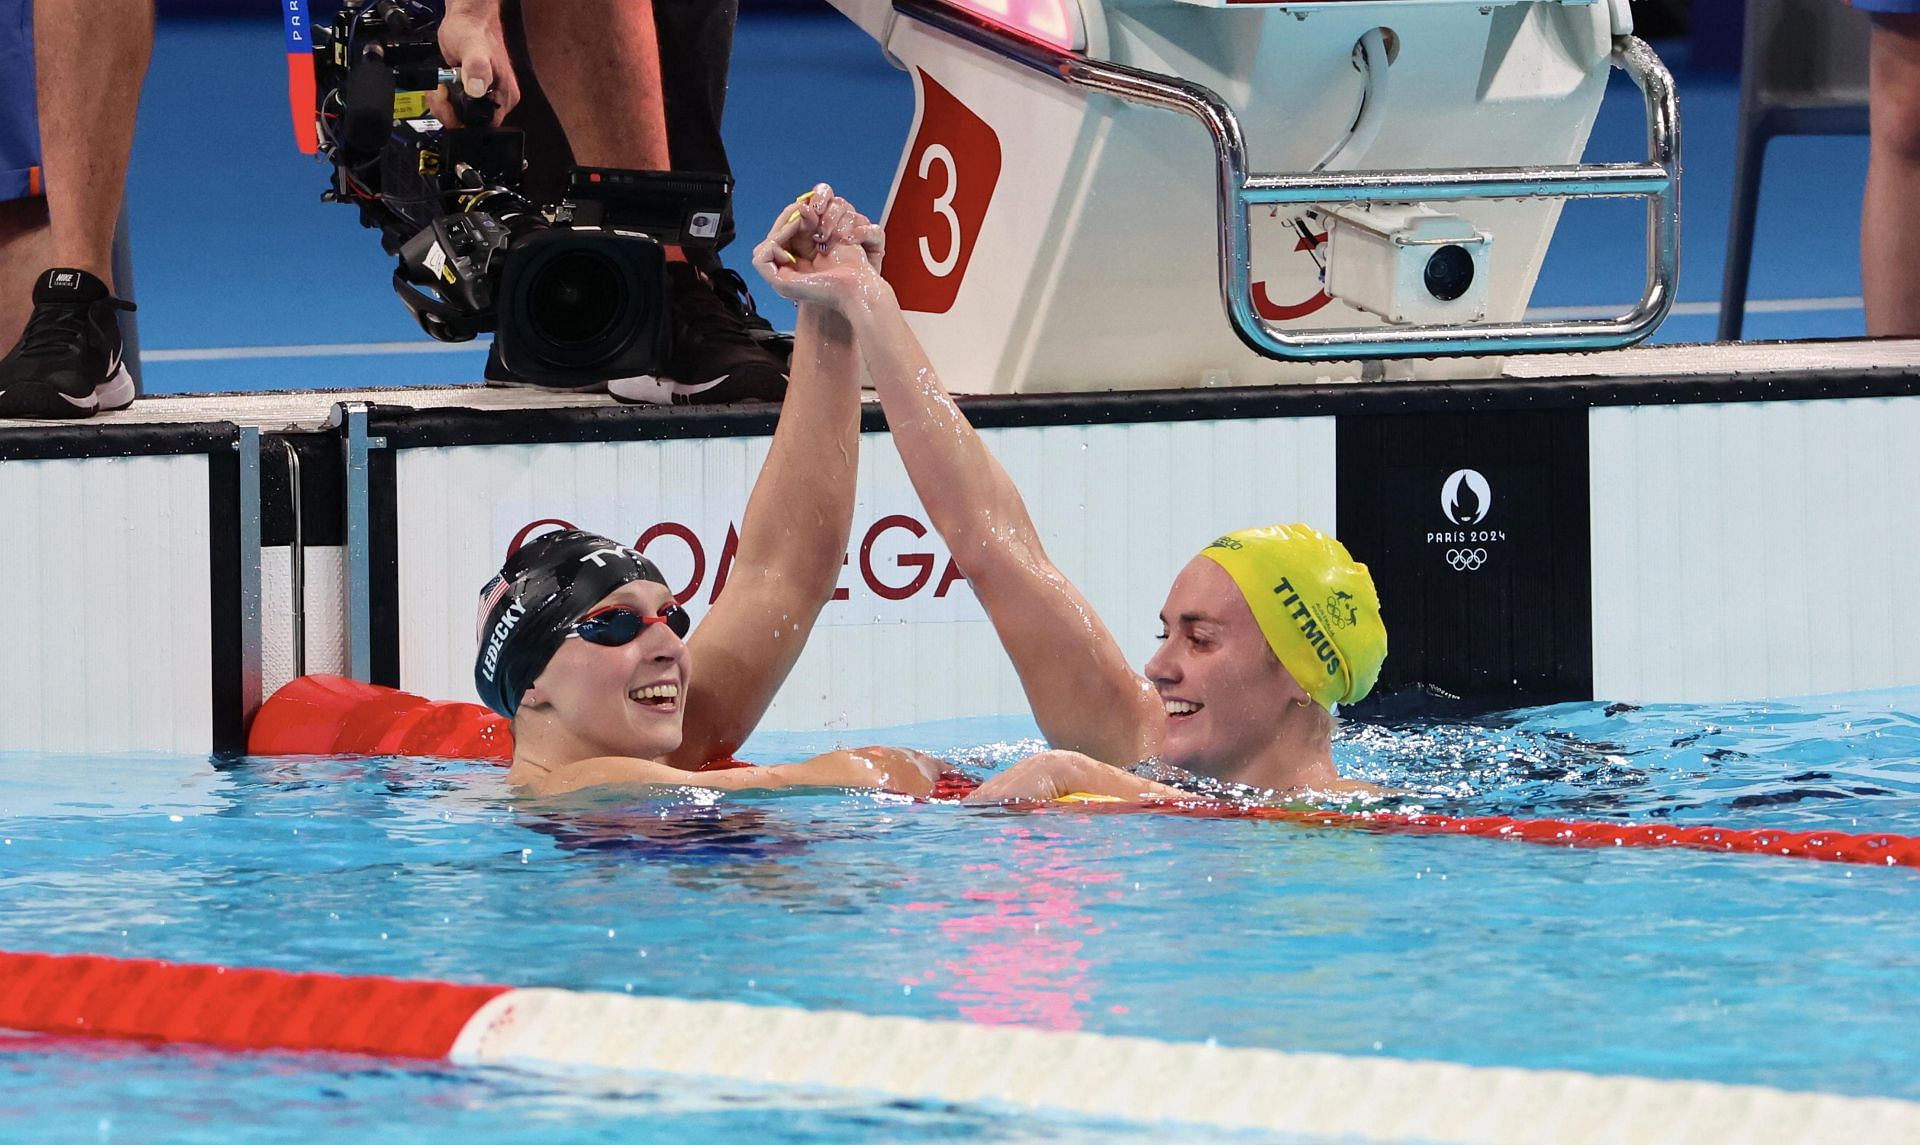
(696, 45)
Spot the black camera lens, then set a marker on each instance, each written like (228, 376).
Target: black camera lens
(580, 303)
(575, 299)
(1449, 272)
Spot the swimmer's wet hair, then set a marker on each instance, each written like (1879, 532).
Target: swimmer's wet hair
(539, 594)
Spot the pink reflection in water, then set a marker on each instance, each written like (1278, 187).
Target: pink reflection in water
(1022, 944)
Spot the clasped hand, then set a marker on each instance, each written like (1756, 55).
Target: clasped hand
(822, 251)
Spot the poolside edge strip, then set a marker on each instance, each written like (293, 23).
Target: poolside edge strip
(1142, 1079)
(1094, 1075)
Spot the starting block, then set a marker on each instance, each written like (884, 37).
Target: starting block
(1123, 194)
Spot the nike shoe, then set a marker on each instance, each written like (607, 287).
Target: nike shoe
(732, 291)
(715, 358)
(68, 362)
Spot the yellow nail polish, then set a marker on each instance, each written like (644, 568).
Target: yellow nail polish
(794, 217)
(790, 257)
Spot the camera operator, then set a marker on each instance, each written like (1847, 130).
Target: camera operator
(635, 84)
(1889, 225)
(70, 74)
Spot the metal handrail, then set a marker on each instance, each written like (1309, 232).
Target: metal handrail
(297, 558)
(1657, 180)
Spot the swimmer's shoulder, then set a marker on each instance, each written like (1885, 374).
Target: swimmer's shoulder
(1160, 771)
(1340, 794)
(598, 771)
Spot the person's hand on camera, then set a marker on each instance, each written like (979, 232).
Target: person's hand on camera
(472, 44)
(822, 251)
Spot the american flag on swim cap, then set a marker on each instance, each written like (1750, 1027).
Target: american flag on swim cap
(490, 598)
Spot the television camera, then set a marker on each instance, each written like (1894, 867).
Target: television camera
(575, 291)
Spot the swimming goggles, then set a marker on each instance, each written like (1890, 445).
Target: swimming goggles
(620, 624)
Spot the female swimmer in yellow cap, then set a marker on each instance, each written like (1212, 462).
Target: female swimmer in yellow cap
(1265, 631)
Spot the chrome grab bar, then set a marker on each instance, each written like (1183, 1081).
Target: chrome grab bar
(1657, 180)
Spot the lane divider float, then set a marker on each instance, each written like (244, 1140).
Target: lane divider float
(1874, 850)
(1093, 1075)
(332, 715)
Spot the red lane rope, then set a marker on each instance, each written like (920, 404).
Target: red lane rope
(330, 715)
(94, 996)
(1879, 850)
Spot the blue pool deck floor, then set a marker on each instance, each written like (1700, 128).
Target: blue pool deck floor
(246, 281)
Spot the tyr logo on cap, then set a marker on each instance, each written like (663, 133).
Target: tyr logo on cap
(614, 551)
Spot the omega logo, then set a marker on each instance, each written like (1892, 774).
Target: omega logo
(914, 573)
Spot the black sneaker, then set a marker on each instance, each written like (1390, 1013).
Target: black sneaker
(715, 358)
(732, 292)
(68, 361)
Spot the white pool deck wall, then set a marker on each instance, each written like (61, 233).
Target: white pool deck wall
(131, 558)
(103, 644)
(1756, 549)
(1120, 509)
(1740, 549)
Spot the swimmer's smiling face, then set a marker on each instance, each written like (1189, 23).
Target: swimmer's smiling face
(625, 700)
(1226, 695)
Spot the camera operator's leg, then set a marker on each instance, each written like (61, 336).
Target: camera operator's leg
(1890, 213)
(89, 57)
(599, 62)
(696, 47)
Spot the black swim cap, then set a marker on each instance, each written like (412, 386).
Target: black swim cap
(537, 597)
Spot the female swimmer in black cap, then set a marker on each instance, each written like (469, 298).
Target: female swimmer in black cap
(584, 648)
(1267, 630)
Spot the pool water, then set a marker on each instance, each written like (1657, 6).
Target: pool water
(1667, 964)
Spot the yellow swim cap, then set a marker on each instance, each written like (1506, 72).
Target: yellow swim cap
(1315, 604)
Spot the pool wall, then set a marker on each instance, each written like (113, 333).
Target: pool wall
(1676, 525)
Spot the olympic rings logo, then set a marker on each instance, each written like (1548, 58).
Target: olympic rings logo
(1466, 560)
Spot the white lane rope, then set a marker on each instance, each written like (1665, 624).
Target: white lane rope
(1141, 1079)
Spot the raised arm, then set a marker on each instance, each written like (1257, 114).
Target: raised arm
(793, 538)
(1084, 695)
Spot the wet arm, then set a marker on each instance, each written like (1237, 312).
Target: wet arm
(885, 768)
(1054, 774)
(1084, 695)
(793, 539)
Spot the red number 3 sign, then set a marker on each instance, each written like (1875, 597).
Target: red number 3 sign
(952, 167)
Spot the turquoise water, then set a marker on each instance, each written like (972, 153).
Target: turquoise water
(1659, 963)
